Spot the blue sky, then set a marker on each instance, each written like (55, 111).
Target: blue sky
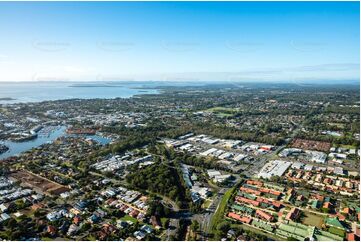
(179, 41)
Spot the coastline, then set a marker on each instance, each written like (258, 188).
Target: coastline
(7, 99)
(23, 93)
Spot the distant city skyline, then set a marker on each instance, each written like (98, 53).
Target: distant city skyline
(180, 41)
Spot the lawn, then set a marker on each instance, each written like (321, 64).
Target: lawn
(91, 238)
(222, 111)
(338, 125)
(163, 221)
(52, 239)
(206, 204)
(313, 219)
(47, 239)
(337, 231)
(347, 146)
(129, 218)
(27, 212)
(223, 115)
(257, 231)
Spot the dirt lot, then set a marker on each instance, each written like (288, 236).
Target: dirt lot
(39, 183)
(313, 219)
(311, 145)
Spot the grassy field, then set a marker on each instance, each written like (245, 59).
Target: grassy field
(338, 125)
(52, 239)
(348, 146)
(337, 231)
(257, 231)
(129, 218)
(206, 204)
(163, 221)
(91, 238)
(222, 111)
(313, 219)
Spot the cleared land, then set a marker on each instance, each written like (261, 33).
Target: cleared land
(311, 145)
(313, 219)
(39, 183)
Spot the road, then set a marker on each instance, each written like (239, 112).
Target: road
(208, 216)
(205, 218)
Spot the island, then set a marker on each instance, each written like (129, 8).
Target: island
(3, 148)
(7, 99)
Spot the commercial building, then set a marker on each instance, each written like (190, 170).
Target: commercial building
(274, 168)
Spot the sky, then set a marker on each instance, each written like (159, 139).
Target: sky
(179, 41)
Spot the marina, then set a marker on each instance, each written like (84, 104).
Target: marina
(15, 148)
(46, 135)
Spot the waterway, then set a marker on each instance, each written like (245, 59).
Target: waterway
(51, 134)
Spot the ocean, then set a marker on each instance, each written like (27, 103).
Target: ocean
(22, 92)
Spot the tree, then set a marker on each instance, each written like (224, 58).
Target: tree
(195, 225)
(11, 223)
(159, 178)
(222, 228)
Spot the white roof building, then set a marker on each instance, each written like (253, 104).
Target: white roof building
(308, 167)
(221, 178)
(208, 152)
(274, 168)
(338, 171)
(239, 157)
(316, 156)
(213, 173)
(297, 165)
